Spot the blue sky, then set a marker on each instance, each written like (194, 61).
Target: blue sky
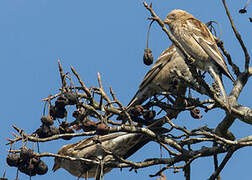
(107, 37)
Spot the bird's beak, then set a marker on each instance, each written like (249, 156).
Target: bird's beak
(56, 166)
(166, 21)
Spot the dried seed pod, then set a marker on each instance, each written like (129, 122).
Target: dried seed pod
(52, 112)
(23, 167)
(137, 110)
(41, 168)
(65, 129)
(60, 102)
(43, 131)
(102, 129)
(88, 125)
(149, 115)
(30, 167)
(26, 154)
(242, 11)
(13, 159)
(46, 131)
(40, 132)
(195, 113)
(147, 58)
(35, 160)
(54, 130)
(60, 113)
(31, 172)
(47, 120)
(71, 97)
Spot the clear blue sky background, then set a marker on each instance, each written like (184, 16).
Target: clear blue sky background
(107, 37)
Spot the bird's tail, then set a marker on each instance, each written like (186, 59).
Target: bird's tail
(132, 102)
(218, 79)
(138, 98)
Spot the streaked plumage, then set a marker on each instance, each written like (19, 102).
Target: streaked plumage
(199, 42)
(121, 144)
(162, 77)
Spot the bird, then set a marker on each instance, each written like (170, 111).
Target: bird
(200, 43)
(162, 77)
(94, 148)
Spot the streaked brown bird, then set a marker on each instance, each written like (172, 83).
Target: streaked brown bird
(162, 77)
(94, 148)
(199, 42)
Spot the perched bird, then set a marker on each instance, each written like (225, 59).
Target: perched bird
(199, 42)
(94, 148)
(162, 77)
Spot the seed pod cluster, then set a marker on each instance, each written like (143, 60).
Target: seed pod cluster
(71, 98)
(47, 120)
(139, 110)
(58, 110)
(27, 162)
(45, 131)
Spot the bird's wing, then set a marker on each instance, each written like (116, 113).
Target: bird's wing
(93, 140)
(164, 58)
(205, 39)
(152, 73)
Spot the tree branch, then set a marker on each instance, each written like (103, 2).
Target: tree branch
(238, 37)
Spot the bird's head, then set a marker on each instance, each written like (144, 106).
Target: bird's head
(175, 15)
(59, 162)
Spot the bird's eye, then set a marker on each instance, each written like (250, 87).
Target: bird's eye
(173, 16)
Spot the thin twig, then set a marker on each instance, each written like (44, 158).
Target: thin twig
(33, 138)
(52, 97)
(222, 165)
(86, 90)
(238, 36)
(235, 68)
(62, 76)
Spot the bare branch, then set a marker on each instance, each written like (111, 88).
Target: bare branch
(86, 90)
(238, 36)
(235, 68)
(222, 165)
